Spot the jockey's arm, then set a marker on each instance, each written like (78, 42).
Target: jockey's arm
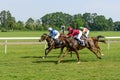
(83, 32)
(56, 32)
(69, 35)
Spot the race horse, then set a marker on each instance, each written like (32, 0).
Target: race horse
(72, 44)
(51, 44)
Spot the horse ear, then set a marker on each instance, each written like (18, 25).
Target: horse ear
(44, 34)
(49, 36)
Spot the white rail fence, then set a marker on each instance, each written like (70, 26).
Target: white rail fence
(111, 38)
(17, 38)
(37, 38)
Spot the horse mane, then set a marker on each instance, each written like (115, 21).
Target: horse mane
(47, 35)
(44, 33)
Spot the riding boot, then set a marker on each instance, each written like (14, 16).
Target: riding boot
(61, 43)
(82, 42)
(56, 42)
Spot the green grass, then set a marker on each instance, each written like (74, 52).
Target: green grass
(21, 34)
(24, 62)
(38, 33)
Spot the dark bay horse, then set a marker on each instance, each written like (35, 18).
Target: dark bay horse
(72, 45)
(51, 44)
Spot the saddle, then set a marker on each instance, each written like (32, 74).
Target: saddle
(57, 44)
(79, 42)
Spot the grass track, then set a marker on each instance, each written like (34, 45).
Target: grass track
(24, 62)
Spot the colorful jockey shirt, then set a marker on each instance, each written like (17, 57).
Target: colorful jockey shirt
(73, 32)
(54, 34)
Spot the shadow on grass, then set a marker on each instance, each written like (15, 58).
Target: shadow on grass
(51, 59)
(38, 56)
(63, 61)
(54, 61)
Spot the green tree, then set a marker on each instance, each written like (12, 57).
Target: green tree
(30, 25)
(86, 18)
(57, 19)
(19, 26)
(100, 23)
(39, 25)
(7, 21)
(3, 18)
(117, 26)
(110, 24)
(77, 21)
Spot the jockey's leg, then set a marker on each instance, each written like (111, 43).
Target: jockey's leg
(56, 39)
(86, 34)
(79, 38)
(82, 41)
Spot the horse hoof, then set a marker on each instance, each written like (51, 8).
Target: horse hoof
(43, 57)
(78, 62)
(102, 54)
(58, 56)
(58, 62)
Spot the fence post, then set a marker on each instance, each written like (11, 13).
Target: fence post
(5, 46)
(44, 48)
(108, 44)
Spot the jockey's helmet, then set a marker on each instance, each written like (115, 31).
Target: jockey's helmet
(81, 28)
(50, 29)
(70, 29)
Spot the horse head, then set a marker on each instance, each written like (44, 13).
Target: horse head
(43, 37)
(46, 37)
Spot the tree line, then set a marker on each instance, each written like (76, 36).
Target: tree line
(57, 19)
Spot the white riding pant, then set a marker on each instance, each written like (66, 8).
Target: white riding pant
(86, 33)
(57, 35)
(78, 36)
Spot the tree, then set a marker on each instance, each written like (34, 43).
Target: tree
(3, 18)
(19, 26)
(100, 23)
(38, 25)
(86, 18)
(7, 21)
(110, 24)
(77, 21)
(117, 26)
(30, 25)
(57, 19)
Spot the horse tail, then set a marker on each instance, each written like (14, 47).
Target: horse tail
(101, 38)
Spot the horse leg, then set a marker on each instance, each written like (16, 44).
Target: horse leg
(61, 52)
(99, 51)
(95, 52)
(61, 58)
(70, 53)
(46, 52)
(97, 46)
(77, 54)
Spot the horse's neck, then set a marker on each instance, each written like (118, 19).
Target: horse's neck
(49, 40)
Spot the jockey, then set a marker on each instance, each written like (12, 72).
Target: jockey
(76, 34)
(85, 31)
(54, 33)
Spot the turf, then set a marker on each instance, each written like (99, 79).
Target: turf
(25, 62)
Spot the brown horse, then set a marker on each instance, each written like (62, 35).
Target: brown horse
(51, 44)
(72, 45)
